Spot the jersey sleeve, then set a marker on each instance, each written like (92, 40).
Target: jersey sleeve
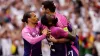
(62, 33)
(29, 38)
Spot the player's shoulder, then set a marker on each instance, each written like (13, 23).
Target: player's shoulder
(25, 29)
(39, 23)
(61, 15)
(58, 28)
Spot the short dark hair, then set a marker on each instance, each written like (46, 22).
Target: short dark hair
(49, 5)
(45, 20)
(26, 16)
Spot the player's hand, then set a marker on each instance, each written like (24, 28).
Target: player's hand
(45, 31)
(52, 39)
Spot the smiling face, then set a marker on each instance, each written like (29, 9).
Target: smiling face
(33, 19)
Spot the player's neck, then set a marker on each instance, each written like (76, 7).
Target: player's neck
(32, 25)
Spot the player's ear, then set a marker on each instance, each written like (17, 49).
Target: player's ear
(29, 19)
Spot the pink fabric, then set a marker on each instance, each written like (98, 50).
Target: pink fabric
(75, 49)
(58, 32)
(62, 20)
(30, 35)
(41, 25)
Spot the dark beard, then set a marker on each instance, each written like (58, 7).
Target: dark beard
(35, 23)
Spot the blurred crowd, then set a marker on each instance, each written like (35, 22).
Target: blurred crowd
(84, 15)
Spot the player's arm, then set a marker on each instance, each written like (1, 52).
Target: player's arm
(62, 40)
(33, 40)
(64, 36)
(67, 25)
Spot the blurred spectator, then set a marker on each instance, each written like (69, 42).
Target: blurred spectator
(84, 16)
(97, 43)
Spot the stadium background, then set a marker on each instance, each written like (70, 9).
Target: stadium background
(84, 16)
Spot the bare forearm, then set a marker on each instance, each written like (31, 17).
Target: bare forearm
(63, 40)
(71, 37)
